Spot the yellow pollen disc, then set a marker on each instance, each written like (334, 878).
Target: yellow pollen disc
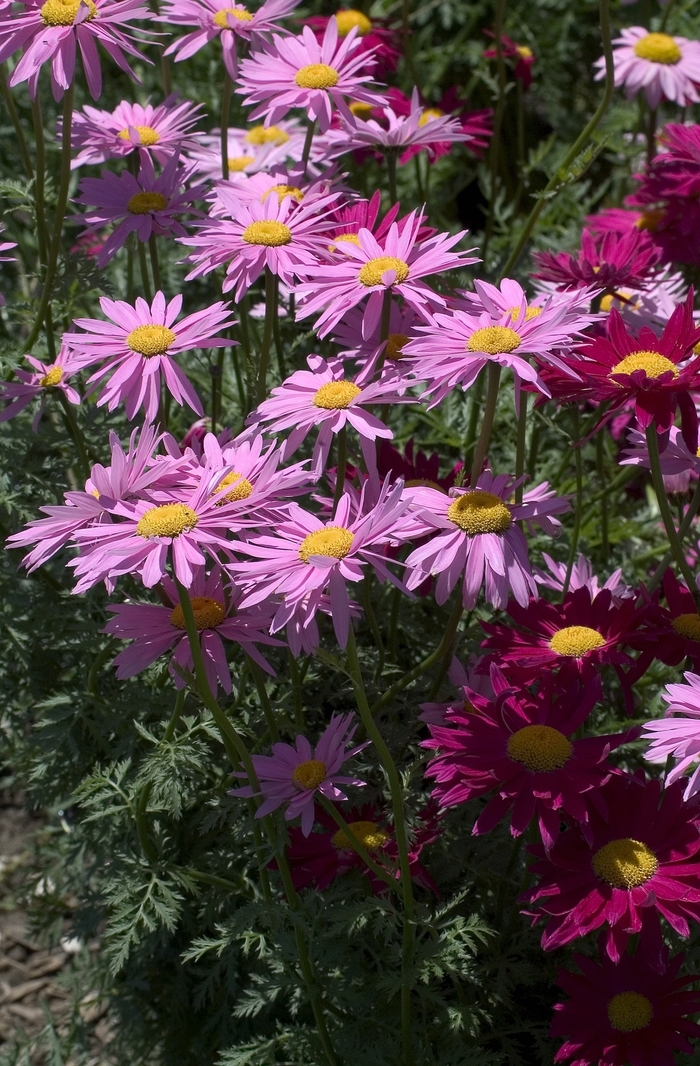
(316, 76)
(208, 614)
(237, 163)
(348, 19)
(270, 233)
(145, 202)
(150, 340)
(372, 271)
(696, 351)
(429, 114)
(653, 364)
(524, 51)
(687, 625)
(479, 512)
(309, 774)
(336, 395)
(539, 748)
(348, 238)
(360, 109)
(530, 313)
(658, 48)
(258, 135)
(147, 135)
(395, 344)
(495, 340)
(282, 191)
(242, 491)
(221, 17)
(52, 376)
(575, 641)
(629, 1011)
(167, 520)
(63, 12)
(368, 834)
(650, 219)
(333, 541)
(622, 295)
(625, 863)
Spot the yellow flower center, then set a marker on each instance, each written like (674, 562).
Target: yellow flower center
(623, 295)
(524, 51)
(629, 1011)
(333, 541)
(349, 238)
(336, 395)
(658, 48)
(372, 271)
(167, 520)
(395, 344)
(429, 114)
(147, 135)
(221, 17)
(360, 109)
(493, 339)
(653, 364)
(368, 834)
(540, 748)
(236, 163)
(52, 377)
(309, 774)
(316, 76)
(63, 12)
(479, 512)
(258, 135)
(208, 613)
(625, 863)
(575, 641)
(530, 313)
(242, 491)
(270, 233)
(349, 18)
(150, 340)
(687, 625)
(282, 191)
(145, 202)
(650, 219)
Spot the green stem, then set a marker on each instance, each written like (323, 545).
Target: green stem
(145, 280)
(147, 846)
(155, 265)
(259, 679)
(310, 130)
(43, 238)
(373, 625)
(602, 480)
(391, 174)
(665, 509)
(216, 373)
(693, 508)
(225, 112)
(176, 715)
(578, 517)
(494, 380)
(476, 396)
(497, 120)
(651, 135)
(271, 290)
(75, 432)
(384, 327)
(355, 844)
(212, 879)
(521, 444)
(296, 692)
(14, 118)
(342, 439)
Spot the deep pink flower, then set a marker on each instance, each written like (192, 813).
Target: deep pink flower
(293, 775)
(677, 735)
(353, 215)
(416, 468)
(379, 43)
(40, 382)
(666, 68)
(669, 193)
(523, 56)
(611, 263)
(100, 135)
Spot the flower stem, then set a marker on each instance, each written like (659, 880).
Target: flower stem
(521, 445)
(651, 135)
(355, 844)
(342, 439)
(75, 432)
(155, 265)
(271, 291)
(578, 518)
(497, 120)
(693, 508)
(14, 118)
(225, 112)
(494, 380)
(310, 130)
(259, 679)
(665, 509)
(143, 265)
(391, 174)
(43, 238)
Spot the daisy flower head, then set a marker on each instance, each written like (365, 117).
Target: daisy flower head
(677, 735)
(220, 18)
(625, 1012)
(610, 263)
(275, 180)
(582, 576)
(145, 205)
(477, 124)
(521, 748)
(638, 861)
(370, 270)
(293, 775)
(521, 53)
(648, 307)
(678, 463)
(665, 67)
(244, 157)
(155, 629)
(353, 215)
(303, 72)
(41, 381)
(369, 352)
(137, 345)
(55, 29)
(474, 533)
(379, 43)
(100, 135)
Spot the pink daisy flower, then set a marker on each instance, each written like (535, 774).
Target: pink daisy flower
(302, 72)
(52, 30)
(40, 382)
(156, 629)
(245, 157)
(666, 68)
(367, 352)
(379, 43)
(292, 776)
(145, 205)
(397, 265)
(610, 264)
(672, 633)
(100, 135)
(478, 124)
(474, 533)
(276, 180)
(678, 463)
(136, 347)
(224, 18)
(677, 735)
(582, 576)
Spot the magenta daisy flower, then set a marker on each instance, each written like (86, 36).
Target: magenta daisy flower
(54, 29)
(156, 629)
(40, 382)
(100, 135)
(666, 68)
(474, 533)
(303, 72)
(379, 43)
(224, 18)
(582, 576)
(522, 748)
(136, 347)
(611, 262)
(677, 735)
(625, 1013)
(672, 634)
(639, 861)
(399, 264)
(352, 216)
(145, 205)
(293, 775)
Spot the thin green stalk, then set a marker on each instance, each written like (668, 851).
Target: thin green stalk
(143, 265)
(176, 715)
(356, 845)
(578, 516)
(299, 721)
(271, 290)
(212, 879)
(666, 516)
(494, 380)
(342, 443)
(602, 480)
(130, 267)
(667, 11)
(225, 112)
(259, 679)
(476, 396)
(14, 118)
(140, 818)
(310, 130)
(216, 372)
(43, 238)
(521, 444)
(165, 73)
(651, 135)
(155, 264)
(373, 625)
(75, 432)
(390, 156)
(406, 40)
(693, 508)
(239, 378)
(499, 112)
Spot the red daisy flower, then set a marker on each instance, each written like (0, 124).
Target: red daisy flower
(641, 862)
(608, 261)
(518, 745)
(672, 633)
(628, 1013)
(523, 56)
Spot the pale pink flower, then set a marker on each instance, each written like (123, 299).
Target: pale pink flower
(275, 180)
(367, 352)
(678, 463)
(582, 576)
(648, 307)
(40, 382)
(677, 735)
(666, 68)
(243, 157)
(100, 135)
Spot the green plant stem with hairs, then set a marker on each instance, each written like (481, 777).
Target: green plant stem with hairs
(497, 121)
(683, 529)
(482, 444)
(521, 446)
(143, 267)
(155, 263)
(271, 293)
(666, 516)
(342, 446)
(578, 514)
